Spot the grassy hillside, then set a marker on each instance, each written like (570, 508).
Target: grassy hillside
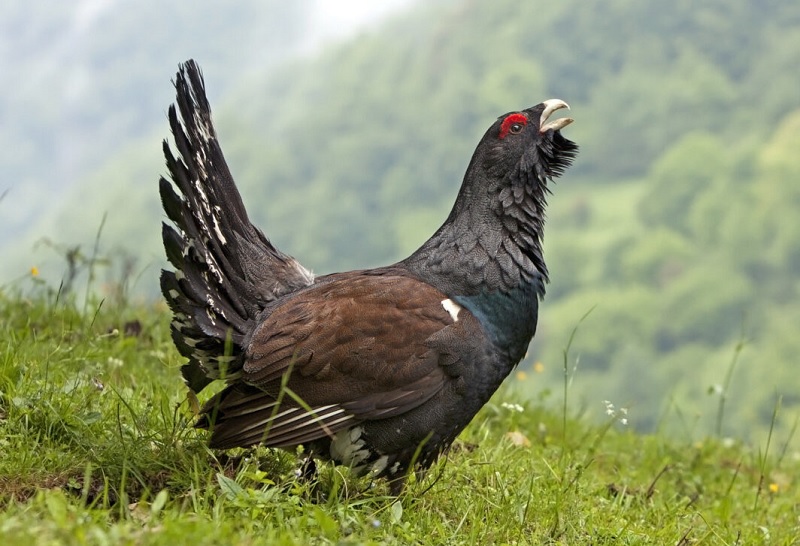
(97, 448)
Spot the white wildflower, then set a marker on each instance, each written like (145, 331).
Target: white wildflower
(513, 407)
(115, 362)
(620, 414)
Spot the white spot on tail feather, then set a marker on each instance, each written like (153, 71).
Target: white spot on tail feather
(200, 156)
(211, 316)
(451, 307)
(190, 244)
(201, 192)
(214, 307)
(215, 217)
(212, 266)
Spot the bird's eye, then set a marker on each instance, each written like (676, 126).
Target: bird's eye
(513, 124)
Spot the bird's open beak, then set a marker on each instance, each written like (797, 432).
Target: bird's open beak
(550, 106)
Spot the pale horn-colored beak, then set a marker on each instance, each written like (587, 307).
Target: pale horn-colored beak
(550, 106)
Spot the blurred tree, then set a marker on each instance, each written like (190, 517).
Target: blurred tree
(685, 171)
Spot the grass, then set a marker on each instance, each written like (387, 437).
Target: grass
(96, 447)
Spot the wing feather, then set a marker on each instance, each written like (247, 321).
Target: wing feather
(354, 347)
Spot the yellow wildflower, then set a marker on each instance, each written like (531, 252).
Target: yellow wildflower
(34, 271)
(538, 367)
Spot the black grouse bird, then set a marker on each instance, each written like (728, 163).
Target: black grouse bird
(379, 369)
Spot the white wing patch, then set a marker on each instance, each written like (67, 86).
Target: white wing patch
(451, 307)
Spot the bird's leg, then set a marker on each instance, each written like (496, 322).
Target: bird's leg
(398, 482)
(308, 474)
(308, 470)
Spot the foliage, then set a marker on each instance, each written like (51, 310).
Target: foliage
(98, 448)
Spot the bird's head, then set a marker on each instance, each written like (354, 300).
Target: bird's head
(491, 241)
(528, 142)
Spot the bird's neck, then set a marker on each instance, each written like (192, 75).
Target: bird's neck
(491, 241)
(488, 257)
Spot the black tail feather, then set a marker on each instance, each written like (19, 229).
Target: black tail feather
(226, 270)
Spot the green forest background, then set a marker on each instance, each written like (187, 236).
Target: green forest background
(677, 230)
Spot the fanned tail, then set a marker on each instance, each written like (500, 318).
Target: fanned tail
(226, 270)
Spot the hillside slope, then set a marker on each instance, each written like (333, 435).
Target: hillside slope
(678, 225)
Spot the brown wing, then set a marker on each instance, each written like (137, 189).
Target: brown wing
(357, 347)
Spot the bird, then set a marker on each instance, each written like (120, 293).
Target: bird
(376, 369)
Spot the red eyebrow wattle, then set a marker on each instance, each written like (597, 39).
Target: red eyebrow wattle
(511, 120)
